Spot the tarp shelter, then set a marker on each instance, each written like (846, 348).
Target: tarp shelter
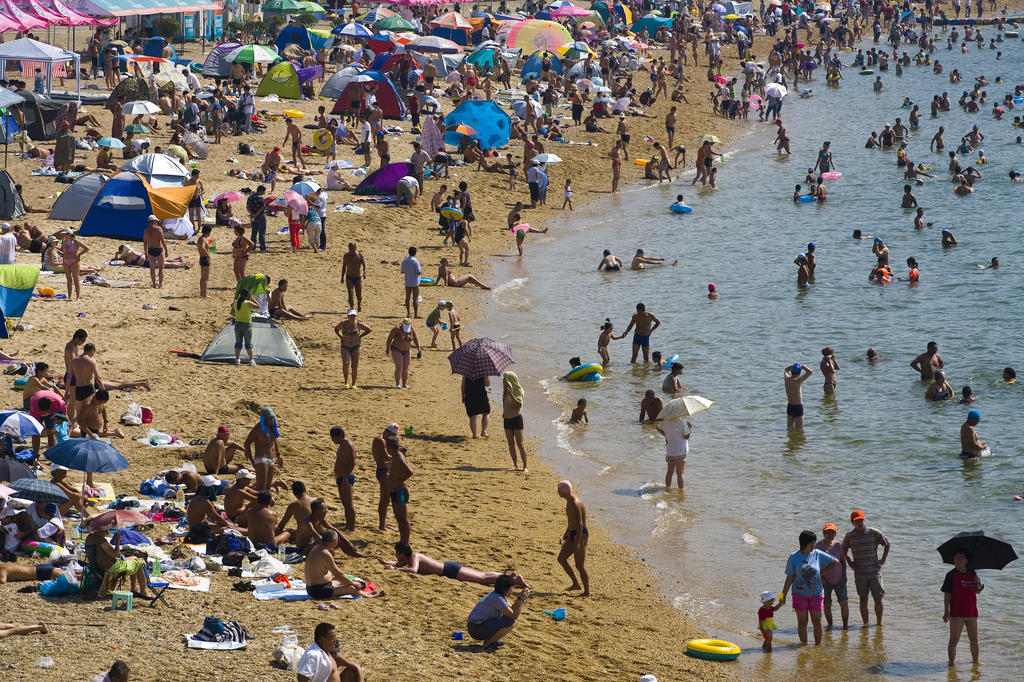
(74, 202)
(159, 170)
(40, 115)
(121, 208)
(335, 85)
(652, 24)
(301, 36)
(390, 101)
(127, 8)
(281, 80)
(533, 64)
(384, 181)
(16, 285)
(459, 36)
(578, 68)
(271, 345)
(444, 63)
(622, 14)
(28, 50)
(155, 47)
(11, 205)
(486, 117)
(216, 66)
(487, 57)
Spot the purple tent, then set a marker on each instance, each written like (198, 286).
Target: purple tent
(308, 73)
(384, 181)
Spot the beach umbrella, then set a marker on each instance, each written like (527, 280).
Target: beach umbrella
(352, 30)
(547, 158)
(141, 107)
(295, 201)
(111, 142)
(732, 16)
(463, 129)
(305, 187)
(16, 423)
(87, 454)
(136, 128)
(570, 10)
(588, 24)
(252, 54)
(534, 34)
(586, 85)
(36, 490)
(776, 90)
(521, 107)
(114, 520)
(481, 358)
(12, 471)
(229, 196)
(452, 20)
(718, 8)
(375, 15)
(5, 491)
(575, 50)
(282, 6)
(988, 551)
(686, 406)
(434, 44)
(196, 145)
(394, 24)
(707, 137)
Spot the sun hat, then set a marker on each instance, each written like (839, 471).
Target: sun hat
(406, 325)
(767, 595)
(829, 526)
(57, 467)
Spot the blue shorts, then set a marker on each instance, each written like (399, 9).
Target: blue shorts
(351, 479)
(644, 341)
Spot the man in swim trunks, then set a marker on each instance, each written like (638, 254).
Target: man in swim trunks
(20, 573)
(651, 406)
(829, 366)
(85, 377)
(262, 522)
(938, 142)
(929, 362)
(219, 453)
(382, 458)
(609, 262)
(794, 377)
(970, 445)
(639, 259)
(313, 525)
(416, 563)
(399, 491)
(344, 464)
(238, 496)
(324, 579)
(92, 419)
(643, 321)
(296, 137)
(575, 538)
(156, 249)
(281, 310)
(353, 270)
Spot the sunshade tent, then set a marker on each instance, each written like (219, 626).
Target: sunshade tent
(159, 170)
(537, 35)
(281, 80)
(26, 49)
(652, 24)
(391, 102)
(40, 115)
(301, 36)
(335, 85)
(533, 64)
(216, 65)
(579, 68)
(384, 181)
(122, 207)
(74, 202)
(11, 205)
(487, 57)
(16, 285)
(271, 345)
(444, 63)
(486, 117)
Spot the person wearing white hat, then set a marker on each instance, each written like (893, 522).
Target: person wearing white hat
(156, 250)
(434, 322)
(399, 346)
(238, 495)
(8, 243)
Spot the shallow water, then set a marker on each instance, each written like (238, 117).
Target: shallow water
(751, 486)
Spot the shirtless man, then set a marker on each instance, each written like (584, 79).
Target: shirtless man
(85, 375)
(416, 563)
(829, 366)
(92, 419)
(399, 491)
(296, 137)
(271, 165)
(201, 510)
(909, 200)
(663, 165)
(382, 459)
(353, 271)
(609, 262)
(263, 437)
(238, 496)
(575, 539)
(643, 320)
(219, 453)
(639, 259)
(929, 362)
(880, 249)
(794, 394)
(781, 137)
(938, 143)
(670, 125)
(324, 579)
(970, 445)
(616, 156)
(313, 524)
(281, 310)
(20, 573)
(298, 509)
(651, 406)
(344, 464)
(262, 521)
(156, 250)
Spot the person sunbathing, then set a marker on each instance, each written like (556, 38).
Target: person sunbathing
(152, 123)
(35, 152)
(253, 174)
(554, 132)
(20, 573)
(408, 561)
(591, 124)
(474, 155)
(134, 259)
(324, 579)
(444, 274)
(8, 629)
(91, 421)
(87, 120)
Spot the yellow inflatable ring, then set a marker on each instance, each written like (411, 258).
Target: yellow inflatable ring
(712, 649)
(292, 113)
(322, 139)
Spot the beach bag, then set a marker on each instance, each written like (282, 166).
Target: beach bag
(244, 148)
(58, 587)
(132, 416)
(147, 415)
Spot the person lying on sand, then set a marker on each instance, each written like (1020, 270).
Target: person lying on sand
(324, 579)
(408, 561)
(254, 174)
(8, 629)
(444, 274)
(134, 259)
(20, 573)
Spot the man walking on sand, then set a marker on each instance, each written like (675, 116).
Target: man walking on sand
(574, 541)
(397, 477)
(156, 249)
(353, 271)
(794, 394)
(862, 542)
(645, 322)
(411, 270)
(382, 459)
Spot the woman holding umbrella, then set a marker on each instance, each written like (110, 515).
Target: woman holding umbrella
(960, 591)
(110, 562)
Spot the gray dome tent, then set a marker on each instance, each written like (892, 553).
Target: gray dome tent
(74, 202)
(271, 345)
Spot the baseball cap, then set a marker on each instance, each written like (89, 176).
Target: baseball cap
(5, 226)
(857, 515)
(352, 312)
(222, 430)
(153, 218)
(211, 481)
(441, 304)
(974, 414)
(244, 473)
(393, 428)
(766, 595)
(830, 526)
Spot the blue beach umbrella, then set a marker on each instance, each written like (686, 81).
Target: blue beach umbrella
(40, 491)
(17, 423)
(87, 454)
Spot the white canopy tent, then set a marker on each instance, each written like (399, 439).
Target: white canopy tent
(28, 50)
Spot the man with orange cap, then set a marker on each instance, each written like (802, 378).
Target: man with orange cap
(833, 579)
(862, 542)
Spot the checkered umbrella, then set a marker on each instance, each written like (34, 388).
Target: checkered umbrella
(481, 358)
(196, 145)
(37, 490)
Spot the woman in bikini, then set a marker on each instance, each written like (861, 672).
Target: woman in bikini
(132, 258)
(351, 332)
(71, 251)
(240, 249)
(444, 274)
(939, 389)
(399, 346)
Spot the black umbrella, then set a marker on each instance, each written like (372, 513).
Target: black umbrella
(40, 491)
(12, 471)
(987, 551)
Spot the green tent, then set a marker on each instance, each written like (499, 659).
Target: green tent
(281, 80)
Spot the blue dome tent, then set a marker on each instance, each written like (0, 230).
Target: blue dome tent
(486, 117)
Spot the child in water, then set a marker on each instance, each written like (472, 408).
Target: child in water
(766, 618)
(968, 396)
(604, 338)
(579, 413)
(679, 200)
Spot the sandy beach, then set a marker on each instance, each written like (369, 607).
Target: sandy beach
(465, 505)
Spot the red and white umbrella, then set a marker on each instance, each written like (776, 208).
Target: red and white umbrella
(453, 20)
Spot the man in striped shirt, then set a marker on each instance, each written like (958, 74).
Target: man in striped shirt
(862, 542)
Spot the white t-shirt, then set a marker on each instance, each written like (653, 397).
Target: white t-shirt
(193, 83)
(8, 242)
(250, 103)
(315, 664)
(411, 270)
(364, 133)
(675, 444)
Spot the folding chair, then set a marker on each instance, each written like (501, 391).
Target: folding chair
(157, 588)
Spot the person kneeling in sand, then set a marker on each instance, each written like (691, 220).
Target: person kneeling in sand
(444, 274)
(321, 566)
(92, 422)
(408, 561)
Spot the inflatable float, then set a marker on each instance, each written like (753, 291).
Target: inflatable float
(292, 113)
(668, 363)
(679, 208)
(322, 139)
(588, 372)
(831, 175)
(867, 72)
(427, 281)
(806, 200)
(451, 212)
(712, 649)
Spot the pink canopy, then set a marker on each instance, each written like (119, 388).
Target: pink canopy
(25, 22)
(34, 9)
(76, 18)
(420, 2)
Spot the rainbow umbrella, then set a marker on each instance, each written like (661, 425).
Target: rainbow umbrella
(534, 34)
(452, 20)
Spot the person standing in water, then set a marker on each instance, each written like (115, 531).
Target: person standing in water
(970, 445)
(794, 377)
(802, 274)
(643, 321)
(929, 362)
(825, 159)
(829, 366)
(603, 340)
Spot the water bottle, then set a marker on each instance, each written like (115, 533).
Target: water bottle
(245, 563)
(280, 552)
(156, 569)
(181, 497)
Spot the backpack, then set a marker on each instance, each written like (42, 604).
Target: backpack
(245, 149)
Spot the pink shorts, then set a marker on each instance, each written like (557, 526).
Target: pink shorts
(802, 603)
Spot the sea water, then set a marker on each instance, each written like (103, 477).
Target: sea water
(752, 485)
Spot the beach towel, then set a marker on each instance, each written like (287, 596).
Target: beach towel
(268, 589)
